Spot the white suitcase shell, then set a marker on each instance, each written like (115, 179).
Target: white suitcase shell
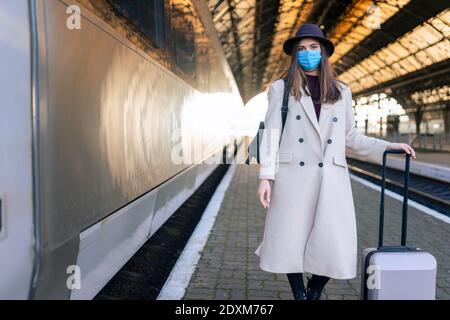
(399, 275)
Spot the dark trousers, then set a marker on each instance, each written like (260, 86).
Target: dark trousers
(316, 283)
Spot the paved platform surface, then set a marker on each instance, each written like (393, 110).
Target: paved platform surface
(229, 269)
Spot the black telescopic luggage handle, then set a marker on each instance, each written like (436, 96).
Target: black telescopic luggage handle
(405, 197)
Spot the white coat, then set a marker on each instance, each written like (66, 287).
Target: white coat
(310, 225)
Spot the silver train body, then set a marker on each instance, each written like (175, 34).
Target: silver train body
(88, 137)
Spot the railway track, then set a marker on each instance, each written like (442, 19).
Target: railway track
(144, 275)
(431, 193)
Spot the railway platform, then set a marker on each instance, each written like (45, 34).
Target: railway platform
(227, 268)
(434, 165)
(441, 158)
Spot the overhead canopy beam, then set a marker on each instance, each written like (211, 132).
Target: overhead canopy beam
(252, 33)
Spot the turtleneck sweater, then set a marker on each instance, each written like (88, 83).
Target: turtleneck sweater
(314, 88)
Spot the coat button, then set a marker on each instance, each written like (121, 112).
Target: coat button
(329, 141)
(334, 119)
(298, 117)
(320, 164)
(302, 163)
(300, 140)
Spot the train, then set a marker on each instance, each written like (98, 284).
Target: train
(102, 102)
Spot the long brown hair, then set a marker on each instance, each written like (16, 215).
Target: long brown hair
(329, 88)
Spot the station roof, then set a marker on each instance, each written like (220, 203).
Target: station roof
(400, 47)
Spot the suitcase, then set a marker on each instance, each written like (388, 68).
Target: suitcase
(397, 272)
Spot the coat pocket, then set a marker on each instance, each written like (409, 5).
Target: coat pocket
(285, 157)
(340, 161)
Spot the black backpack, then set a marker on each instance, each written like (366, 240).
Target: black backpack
(253, 148)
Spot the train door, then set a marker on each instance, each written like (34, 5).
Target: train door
(16, 183)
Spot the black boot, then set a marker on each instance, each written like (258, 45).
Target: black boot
(315, 286)
(297, 286)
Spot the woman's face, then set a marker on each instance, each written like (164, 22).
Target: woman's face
(308, 44)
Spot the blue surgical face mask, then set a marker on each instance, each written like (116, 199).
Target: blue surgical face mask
(308, 59)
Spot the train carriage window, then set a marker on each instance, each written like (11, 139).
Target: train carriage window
(183, 36)
(169, 31)
(148, 16)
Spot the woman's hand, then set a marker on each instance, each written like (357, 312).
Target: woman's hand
(264, 192)
(401, 146)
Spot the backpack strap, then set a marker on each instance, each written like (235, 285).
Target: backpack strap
(284, 107)
(284, 112)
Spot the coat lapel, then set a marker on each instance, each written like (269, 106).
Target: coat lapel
(324, 119)
(307, 104)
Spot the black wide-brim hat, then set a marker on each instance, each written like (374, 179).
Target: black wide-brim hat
(309, 30)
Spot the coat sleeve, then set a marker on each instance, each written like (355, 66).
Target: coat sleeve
(368, 148)
(271, 133)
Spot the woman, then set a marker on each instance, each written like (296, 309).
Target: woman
(310, 223)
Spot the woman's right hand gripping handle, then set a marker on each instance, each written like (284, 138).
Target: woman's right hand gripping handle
(264, 192)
